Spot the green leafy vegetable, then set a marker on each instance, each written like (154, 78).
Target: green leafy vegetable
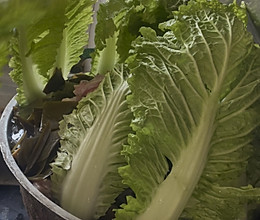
(173, 119)
(29, 42)
(53, 40)
(13, 12)
(193, 92)
(118, 24)
(24, 73)
(93, 136)
(78, 16)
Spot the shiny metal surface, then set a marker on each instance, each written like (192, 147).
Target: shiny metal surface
(35, 202)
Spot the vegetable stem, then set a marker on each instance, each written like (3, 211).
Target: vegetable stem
(62, 56)
(33, 88)
(185, 173)
(108, 56)
(91, 166)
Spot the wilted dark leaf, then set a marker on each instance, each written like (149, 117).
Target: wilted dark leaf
(55, 83)
(53, 112)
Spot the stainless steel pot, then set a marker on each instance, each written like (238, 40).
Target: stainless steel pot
(37, 205)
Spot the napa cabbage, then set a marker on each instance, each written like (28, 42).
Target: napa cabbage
(188, 125)
(174, 118)
(53, 38)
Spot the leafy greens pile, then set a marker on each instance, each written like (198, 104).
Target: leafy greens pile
(53, 38)
(175, 117)
(195, 102)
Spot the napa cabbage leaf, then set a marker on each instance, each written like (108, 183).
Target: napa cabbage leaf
(118, 24)
(54, 41)
(15, 13)
(193, 89)
(195, 99)
(85, 179)
(78, 17)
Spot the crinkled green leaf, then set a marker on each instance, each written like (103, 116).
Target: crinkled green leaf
(119, 15)
(45, 37)
(31, 42)
(43, 27)
(221, 203)
(25, 73)
(93, 136)
(123, 19)
(78, 16)
(59, 36)
(193, 92)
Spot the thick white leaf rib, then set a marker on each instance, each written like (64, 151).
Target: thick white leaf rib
(93, 135)
(180, 93)
(78, 16)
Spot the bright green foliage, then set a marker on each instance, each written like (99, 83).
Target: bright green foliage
(193, 94)
(78, 16)
(123, 19)
(53, 40)
(44, 38)
(93, 136)
(31, 42)
(15, 13)
(179, 129)
(25, 74)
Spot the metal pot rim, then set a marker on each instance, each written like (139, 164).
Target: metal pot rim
(18, 174)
